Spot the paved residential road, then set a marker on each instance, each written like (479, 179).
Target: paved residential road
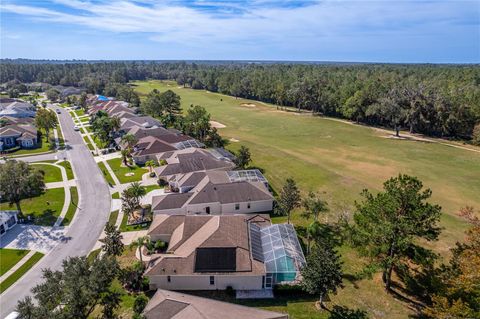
(87, 225)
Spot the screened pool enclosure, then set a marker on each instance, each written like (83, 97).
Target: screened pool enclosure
(277, 246)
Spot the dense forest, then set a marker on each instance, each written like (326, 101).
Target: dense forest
(436, 100)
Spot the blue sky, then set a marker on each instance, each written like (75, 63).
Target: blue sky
(330, 30)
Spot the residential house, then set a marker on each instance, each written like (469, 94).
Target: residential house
(25, 136)
(175, 305)
(192, 159)
(16, 108)
(127, 123)
(9, 120)
(216, 193)
(148, 147)
(243, 252)
(8, 219)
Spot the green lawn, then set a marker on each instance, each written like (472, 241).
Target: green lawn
(9, 257)
(116, 195)
(106, 174)
(10, 280)
(112, 219)
(61, 140)
(72, 207)
(44, 208)
(82, 130)
(338, 160)
(52, 173)
(89, 145)
(79, 112)
(68, 168)
(121, 171)
(125, 228)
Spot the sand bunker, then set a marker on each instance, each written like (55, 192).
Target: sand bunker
(129, 174)
(234, 140)
(216, 124)
(248, 105)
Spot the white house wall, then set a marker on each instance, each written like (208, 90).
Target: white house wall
(202, 282)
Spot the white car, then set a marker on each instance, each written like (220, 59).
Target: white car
(76, 128)
(58, 111)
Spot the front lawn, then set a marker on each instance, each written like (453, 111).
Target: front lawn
(9, 257)
(10, 280)
(126, 174)
(72, 207)
(51, 173)
(43, 146)
(68, 168)
(106, 174)
(44, 208)
(79, 112)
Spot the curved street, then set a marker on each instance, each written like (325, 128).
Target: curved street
(89, 220)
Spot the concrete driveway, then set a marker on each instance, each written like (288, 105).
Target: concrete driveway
(32, 237)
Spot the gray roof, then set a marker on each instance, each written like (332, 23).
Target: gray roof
(191, 160)
(175, 305)
(14, 108)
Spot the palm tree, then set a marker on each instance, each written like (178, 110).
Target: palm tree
(125, 154)
(115, 123)
(131, 197)
(150, 164)
(129, 140)
(138, 244)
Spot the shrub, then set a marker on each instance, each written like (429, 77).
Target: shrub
(140, 303)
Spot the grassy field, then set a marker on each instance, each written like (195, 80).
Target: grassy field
(44, 208)
(126, 174)
(52, 173)
(10, 280)
(339, 159)
(68, 168)
(9, 257)
(112, 218)
(72, 207)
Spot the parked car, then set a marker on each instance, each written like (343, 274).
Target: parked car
(58, 111)
(76, 128)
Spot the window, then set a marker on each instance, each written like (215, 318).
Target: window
(212, 280)
(237, 206)
(169, 279)
(248, 205)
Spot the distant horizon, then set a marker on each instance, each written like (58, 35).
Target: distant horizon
(363, 31)
(238, 61)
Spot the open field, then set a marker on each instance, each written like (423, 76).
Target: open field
(339, 159)
(9, 257)
(45, 208)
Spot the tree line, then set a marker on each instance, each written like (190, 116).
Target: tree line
(436, 100)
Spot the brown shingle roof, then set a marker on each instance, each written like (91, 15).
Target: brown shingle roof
(206, 232)
(175, 305)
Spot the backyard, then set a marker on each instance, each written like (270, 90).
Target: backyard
(338, 159)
